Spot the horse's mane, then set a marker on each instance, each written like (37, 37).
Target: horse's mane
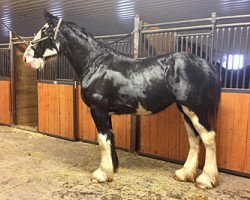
(82, 33)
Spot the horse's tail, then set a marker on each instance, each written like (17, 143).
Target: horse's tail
(214, 98)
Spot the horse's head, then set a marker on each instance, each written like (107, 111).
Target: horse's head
(47, 43)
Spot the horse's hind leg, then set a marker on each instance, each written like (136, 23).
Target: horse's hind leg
(209, 176)
(109, 159)
(189, 171)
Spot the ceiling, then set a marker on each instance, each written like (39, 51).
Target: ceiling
(102, 17)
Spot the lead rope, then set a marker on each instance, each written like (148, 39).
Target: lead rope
(126, 36)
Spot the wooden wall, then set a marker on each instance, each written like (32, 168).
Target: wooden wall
(86, 129)
(5, 102)
(25, 90)
(164, 134)
(56, 109)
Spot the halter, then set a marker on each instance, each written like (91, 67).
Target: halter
(56, 30)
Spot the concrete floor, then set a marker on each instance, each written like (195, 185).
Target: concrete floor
(34, 166)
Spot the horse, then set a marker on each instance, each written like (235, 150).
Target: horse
(113, 83)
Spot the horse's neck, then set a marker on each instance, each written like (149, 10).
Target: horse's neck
(81, 52)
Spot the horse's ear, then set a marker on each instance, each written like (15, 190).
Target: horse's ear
(49, 17)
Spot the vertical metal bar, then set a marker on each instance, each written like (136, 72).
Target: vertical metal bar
(140, 45)
(161, 43)
(212, 35)
(149, 35)
(186, 44)
(191, 48)
(143, 46)
(12, 80)
(123, 48)
(177, 42)
(244, 73)
(222, 49)
(233, 57)
(165, 42)
(240, 48)
(181, 43)
(170, 41)
(153, 48)
(216, 46)
(201, 48)
(207, 46)
(134, 120)
(227, 55)
(196, 45)
(156, 44)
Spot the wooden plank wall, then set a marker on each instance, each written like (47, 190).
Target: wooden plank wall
(164, 134)
(56, 109)
(5, 102)
(87, 130)
(25, 90)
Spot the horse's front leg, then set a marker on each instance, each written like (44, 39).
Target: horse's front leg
(109, 159)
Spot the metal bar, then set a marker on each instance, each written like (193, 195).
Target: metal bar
(181, 44)
(4, 44)
(161, 43)
(177, 22)
(233, 17)
(195, 34)
(149, 45)
(110, 36)
(233, 56)
(12, 81)
(186, 44)
(222, 48)
(165, 43)
(244, 73)
(170, 41)
(233, 25)
(153, 49)
(201, 48)
(179, 29)
(212, 36)
(134, 119)
(192, 37)
(216, 46)
(240, 48)
(175, 36)
(177, 43)
(206, 47)
(227, 54)
(156, 43)
(196, 45)
(141, 45)
(25, 38)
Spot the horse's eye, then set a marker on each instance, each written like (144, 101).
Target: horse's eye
(51, 35)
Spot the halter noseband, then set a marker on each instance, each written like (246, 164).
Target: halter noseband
(56, 30)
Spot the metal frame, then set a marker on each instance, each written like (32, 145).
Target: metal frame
(205, 33)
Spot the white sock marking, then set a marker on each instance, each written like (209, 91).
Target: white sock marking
(208, 138)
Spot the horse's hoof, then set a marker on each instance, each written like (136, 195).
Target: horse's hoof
(185, 174)
(204, 181)
(99, 176)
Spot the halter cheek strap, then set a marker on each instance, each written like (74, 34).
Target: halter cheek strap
(57, 28)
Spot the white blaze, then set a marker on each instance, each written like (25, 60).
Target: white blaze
(29, 52)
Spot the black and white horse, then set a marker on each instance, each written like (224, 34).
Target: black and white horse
(112, 83)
